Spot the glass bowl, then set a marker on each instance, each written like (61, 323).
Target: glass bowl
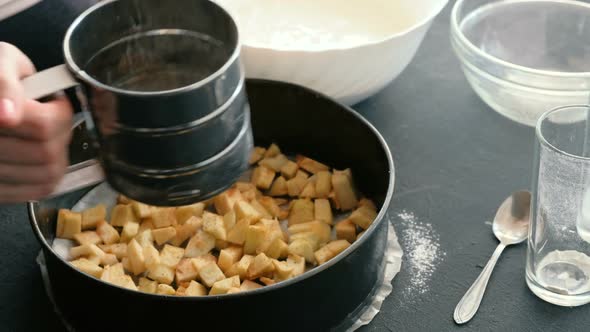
(524, 57)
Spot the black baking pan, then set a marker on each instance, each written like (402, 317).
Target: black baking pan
(299, 121)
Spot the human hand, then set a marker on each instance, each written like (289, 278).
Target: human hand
(34, 135)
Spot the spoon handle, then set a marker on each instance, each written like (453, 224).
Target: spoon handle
(467, 307)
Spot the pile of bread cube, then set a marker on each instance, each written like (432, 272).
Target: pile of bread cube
(258, 233)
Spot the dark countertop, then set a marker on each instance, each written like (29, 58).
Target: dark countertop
(456, 161)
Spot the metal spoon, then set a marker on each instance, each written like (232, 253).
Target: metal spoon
(511, 225)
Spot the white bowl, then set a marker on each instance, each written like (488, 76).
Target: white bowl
(346, 49)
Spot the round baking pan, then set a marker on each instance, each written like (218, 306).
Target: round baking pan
(299, 121)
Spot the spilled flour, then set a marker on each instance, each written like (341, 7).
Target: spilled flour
(421, 250)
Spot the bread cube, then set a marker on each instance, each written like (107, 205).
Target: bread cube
(124, 281)
(296, 185)
(117, 249)
(302, 211)
(271, 206)
(267, 281)
(122, 214)
(252, 194)
(272, 151)
(322, 229)
(234, 290)
(108, 259)
(309, 190)
(311, 237)
(161, 273)
(112, 272)
(186, 230)
(323, 184)
(135, 256)
(163, 217)
(184, 213)
(262, 177)
(225, 201)
(237, 234)
(145, 225)
(245, 210)
(261, 209)
(151, 256)
(214, 225)
(330, 250)
(90, 217)
(88, 237)
(186, 271)
(344, 191)
(346, 230)
(122, 199)
(222, 286)
(107, 233)
(229, 220)
(130, 230)
(145, 238)
(165, 290)
(298, 264)
(256, 155)
(171, 255)
(241, 268)
(277, 249)
(210, 274)
(323, 211)
(274, 231)
(333, 201)
(195, 289)
(249, 285)
(302, 174)
(95, 259)
(126, 264)
(87, 250)
(310, 165)
(229, 256)
(303, 248)
(283, 270)
(87, 267)
(289, 169)
(368, 203)
(279, 187)
(141, 210)
(254, 238)
(220, 244)
(275, 163)
(244, 186)
(363, 216)
(259, 267)
(68, 224)
(200, 244)
(163, 235)
(199, 262)
(147, 286)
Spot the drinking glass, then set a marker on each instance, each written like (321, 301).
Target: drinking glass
(558, 261)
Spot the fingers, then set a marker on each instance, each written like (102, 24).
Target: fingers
(18, 151)
(14, 66)
(11, 174)
(42, 121)
(34, 136)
